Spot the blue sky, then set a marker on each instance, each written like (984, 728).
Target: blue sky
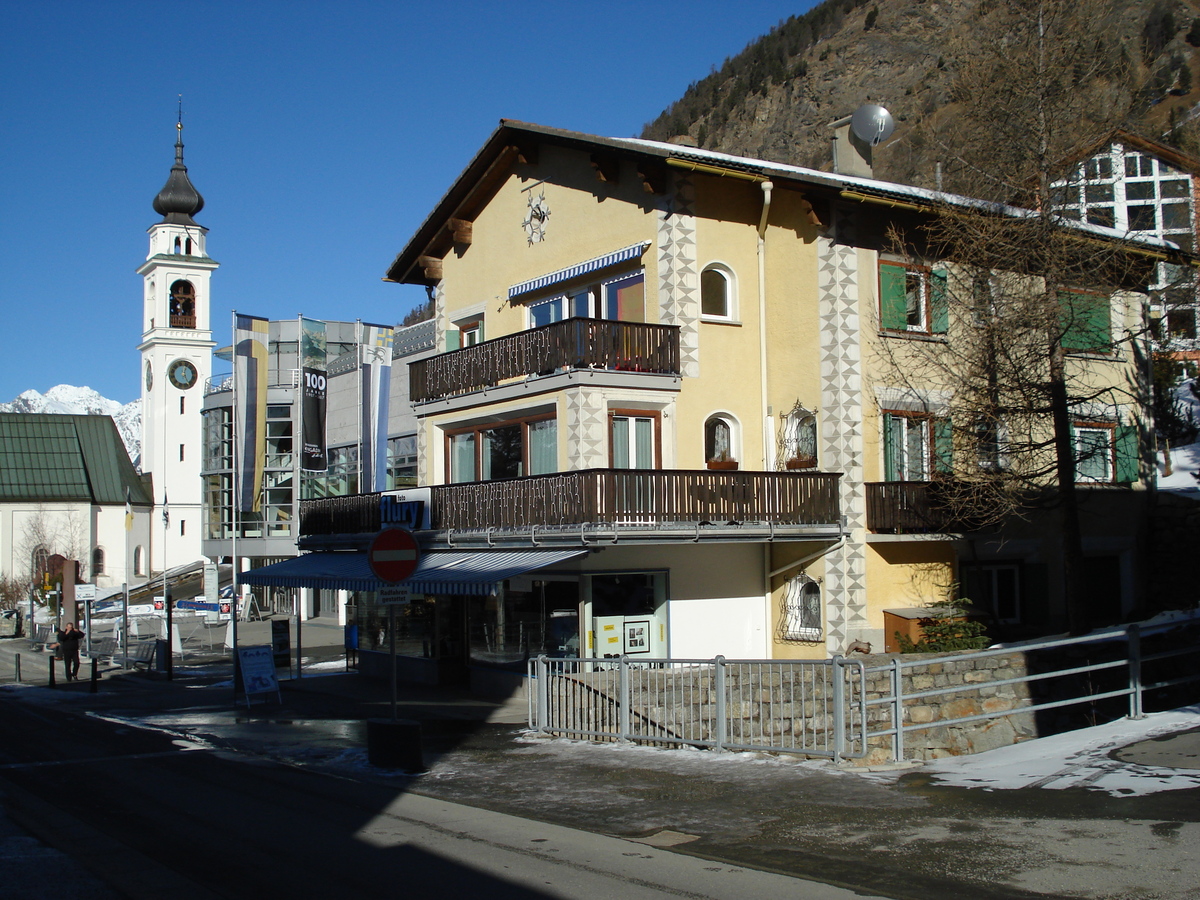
(320, 135)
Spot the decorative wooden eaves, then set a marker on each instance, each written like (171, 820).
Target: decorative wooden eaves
(431, 266)
(461, 230)
(654, 176)
(607, 167)
(526, 152)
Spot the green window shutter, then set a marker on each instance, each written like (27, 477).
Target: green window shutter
(891, 450)
(481, 335)
(943, 446)
(1088, 322)
(452, 337)
(939, 302)
(893, 305)
(1126, 447)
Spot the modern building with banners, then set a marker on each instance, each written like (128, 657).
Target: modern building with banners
(342, 403)
(663, 418)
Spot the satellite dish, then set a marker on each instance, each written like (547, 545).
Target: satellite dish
(872, 124)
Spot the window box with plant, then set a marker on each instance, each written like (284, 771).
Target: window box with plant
(722, 461)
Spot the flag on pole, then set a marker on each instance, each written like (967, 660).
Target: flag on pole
(128, 510)
(166, 510)
(250, 416)
(376, 373)
(314, 455)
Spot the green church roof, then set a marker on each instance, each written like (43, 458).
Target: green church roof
(59, 457)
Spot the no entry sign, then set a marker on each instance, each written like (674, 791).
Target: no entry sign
(393, 555)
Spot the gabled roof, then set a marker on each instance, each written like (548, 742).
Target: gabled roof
(518, 141)
(61, 457)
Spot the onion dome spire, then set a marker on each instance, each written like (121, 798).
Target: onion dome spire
(178, 201)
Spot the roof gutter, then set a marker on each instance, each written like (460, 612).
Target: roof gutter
(719, 171)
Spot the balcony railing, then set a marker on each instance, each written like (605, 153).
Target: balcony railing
(906, 507)
(570, 344)
(618, 497)
(183, 321)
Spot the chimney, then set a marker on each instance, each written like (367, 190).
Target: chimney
(851, 154)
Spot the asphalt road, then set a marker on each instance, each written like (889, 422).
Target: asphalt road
(281, 801)
(154, 813)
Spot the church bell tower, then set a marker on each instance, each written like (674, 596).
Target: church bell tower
(176, 353)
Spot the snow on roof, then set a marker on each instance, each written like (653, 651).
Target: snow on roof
(874, 185)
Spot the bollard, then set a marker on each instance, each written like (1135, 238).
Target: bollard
(395, 744)
(17, 668)
(51, 682)
(95, 677)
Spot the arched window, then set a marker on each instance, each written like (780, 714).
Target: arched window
(717, 293)
(139, 560)
(802, 609)
(799, 438)
(720, 450)
(183, 305)
(98, 561)
(178, 245)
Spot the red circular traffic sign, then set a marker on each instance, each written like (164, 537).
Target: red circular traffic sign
(393, 555)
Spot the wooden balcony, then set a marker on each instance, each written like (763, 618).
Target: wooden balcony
(183, 321)
(562, 346)
(620, 498)
(639, 497)
(906, 507)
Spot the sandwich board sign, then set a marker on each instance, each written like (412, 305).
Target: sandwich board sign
(258, 671)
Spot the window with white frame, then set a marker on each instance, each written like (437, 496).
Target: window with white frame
(717, 297)
(915, 446)
(912, 298)
(802, 609)
(622, 298)
(634, 439)
(470, 333)
(1093, 453)
(1107, 452)
(991, 445)
(1131, 190)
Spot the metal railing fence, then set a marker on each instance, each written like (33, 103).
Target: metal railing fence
(843, 708)
(1126, 665)
(811, 707)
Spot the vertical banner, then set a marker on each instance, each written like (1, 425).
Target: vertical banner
(376, 373)
(313, 455)
(250, 387)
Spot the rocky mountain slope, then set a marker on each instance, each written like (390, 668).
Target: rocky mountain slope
(64, 399)
(776, 98)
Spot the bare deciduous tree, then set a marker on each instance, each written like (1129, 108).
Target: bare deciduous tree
(1044, 328)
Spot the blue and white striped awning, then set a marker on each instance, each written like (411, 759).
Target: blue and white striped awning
(592, 265)
(439, 571)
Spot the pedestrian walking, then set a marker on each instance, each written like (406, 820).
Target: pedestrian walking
(69, 639)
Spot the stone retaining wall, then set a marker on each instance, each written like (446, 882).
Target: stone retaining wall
(978, 695)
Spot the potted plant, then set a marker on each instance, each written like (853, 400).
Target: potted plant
(722, 461)
(801, 461)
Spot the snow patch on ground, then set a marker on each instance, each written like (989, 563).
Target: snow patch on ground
(1081, 758)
